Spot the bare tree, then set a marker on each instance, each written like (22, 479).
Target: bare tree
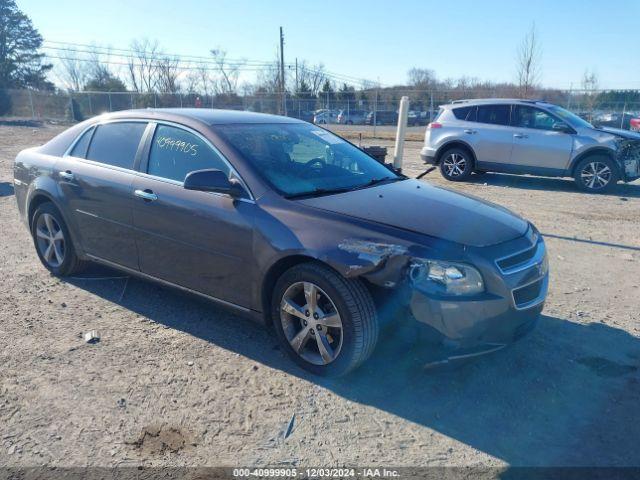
(167, 74)
(73, 71)
(268, 78)
(314, 76)
(142, 65)
(227, 83)
(98, 66)
(528, 62)
(590, 83)
(422, 78)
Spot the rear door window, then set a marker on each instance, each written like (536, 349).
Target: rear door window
(494, 114)
(465, 113)
(80, 148)
(116, 143)
(176, 152)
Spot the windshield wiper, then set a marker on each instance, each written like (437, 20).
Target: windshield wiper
(328, 191)
(377, 181)
(319, 191)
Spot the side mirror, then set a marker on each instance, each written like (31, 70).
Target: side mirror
(562, 127)
(213, 181)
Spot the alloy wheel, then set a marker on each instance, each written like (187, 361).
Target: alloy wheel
(454, 164)
(50, 239)
(595, 175)
(311, 323)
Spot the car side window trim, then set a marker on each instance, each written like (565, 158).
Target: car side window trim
(146, 151)
(509, 115)
(73, 144)
(106, 165)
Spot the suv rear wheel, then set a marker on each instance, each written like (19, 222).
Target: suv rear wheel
(596, 174)
(326, 323)
(456, 164)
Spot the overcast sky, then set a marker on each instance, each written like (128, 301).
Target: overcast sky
(374, 39)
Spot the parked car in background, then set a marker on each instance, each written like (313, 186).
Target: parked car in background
(352, 117)
(634, 124)
(382, 117)
(326, 117)
(416, 118)
(303, 115)
(286, 223)
(615, 120)
(529, 137)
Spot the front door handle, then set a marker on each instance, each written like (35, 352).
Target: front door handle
(67, 175)
(147, 195)
(470, 132)
(520, 135)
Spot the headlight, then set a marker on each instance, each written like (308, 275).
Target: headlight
(446, 278)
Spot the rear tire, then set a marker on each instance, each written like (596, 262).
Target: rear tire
(456, 164)
(596, 174)
(350, 330)
(53, 242)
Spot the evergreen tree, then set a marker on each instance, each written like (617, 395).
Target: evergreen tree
(20, 62)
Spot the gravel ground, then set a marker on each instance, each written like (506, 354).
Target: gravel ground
(175, 380)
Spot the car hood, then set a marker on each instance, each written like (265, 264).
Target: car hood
(620, 132)
(422, 208)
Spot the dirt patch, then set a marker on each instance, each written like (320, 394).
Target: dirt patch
(159, 439)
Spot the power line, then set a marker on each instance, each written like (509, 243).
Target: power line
(131, 54)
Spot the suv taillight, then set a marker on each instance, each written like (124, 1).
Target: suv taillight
(434, 125)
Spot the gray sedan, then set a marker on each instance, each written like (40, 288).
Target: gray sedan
(287, 223)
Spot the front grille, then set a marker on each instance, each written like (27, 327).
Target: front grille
(527, 294)
(514, 261)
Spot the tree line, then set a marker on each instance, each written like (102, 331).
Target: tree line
(146, 68)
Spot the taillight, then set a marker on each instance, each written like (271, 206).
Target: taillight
(434, 125)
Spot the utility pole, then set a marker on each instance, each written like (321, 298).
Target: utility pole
(282, 83)
(297, 88)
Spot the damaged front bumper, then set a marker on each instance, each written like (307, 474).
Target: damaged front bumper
(515, 276)
(516, 289)
(628, 156)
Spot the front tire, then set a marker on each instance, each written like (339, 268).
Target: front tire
(456, 164)
(53, 242)
(326, 323)
(596, 174)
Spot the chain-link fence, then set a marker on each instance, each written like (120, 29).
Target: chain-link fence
(372, 106)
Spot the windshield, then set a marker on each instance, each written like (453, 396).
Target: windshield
(299, 159)
(569, 117)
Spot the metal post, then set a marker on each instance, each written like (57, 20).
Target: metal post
(73, 112)
(33, 110)
(110, 104)
(90, 105)
(132, 101)
(431, 106)
(180, 99)
(375, 112)
(624, 109)
(282, 81)
(400, 133)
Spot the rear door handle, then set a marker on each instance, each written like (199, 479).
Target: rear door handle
(470, 132)
(520, 135)
(147, 195)
(67, 175)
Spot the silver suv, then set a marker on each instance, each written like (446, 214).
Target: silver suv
(529, 137)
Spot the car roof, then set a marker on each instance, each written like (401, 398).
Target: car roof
(493, 101)
(207, 116)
